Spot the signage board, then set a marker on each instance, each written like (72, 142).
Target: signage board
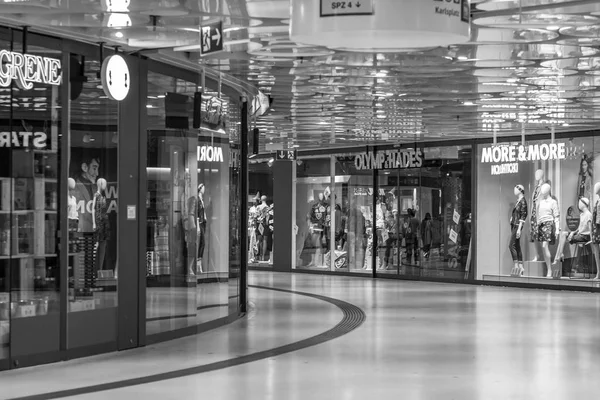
(286, 155)
(116, 78)
(211, 38)
(27, 69)
(390, 159)
(505, 159)
(335, 8)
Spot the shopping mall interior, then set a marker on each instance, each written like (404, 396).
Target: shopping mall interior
(299, 199)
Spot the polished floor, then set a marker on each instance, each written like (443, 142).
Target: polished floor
(419, 341)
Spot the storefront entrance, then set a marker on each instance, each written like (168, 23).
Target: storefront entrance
(423, 221)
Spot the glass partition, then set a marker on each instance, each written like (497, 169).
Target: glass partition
(92, 208)
(189, 241)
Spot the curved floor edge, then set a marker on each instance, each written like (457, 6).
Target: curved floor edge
(352, 319)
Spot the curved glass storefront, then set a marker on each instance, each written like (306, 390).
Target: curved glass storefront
(119, 220)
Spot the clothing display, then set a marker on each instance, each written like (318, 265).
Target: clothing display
(534, 202)
(201, 227)
(102, 231)
(546, 232)
(596, 223)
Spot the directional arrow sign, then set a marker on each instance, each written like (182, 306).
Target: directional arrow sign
(287, 155)
(334, 8)
(211, 38)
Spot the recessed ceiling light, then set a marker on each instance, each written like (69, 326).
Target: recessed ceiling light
(119, 34)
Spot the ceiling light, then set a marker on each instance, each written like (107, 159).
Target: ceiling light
(119, 34)
(462, 58)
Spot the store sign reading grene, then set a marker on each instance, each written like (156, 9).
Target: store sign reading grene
(27, 69)
(507, 158)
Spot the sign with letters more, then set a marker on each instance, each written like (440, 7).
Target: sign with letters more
(28, 69)
(505, 159)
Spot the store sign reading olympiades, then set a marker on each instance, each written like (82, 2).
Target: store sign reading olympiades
(116, 79)
(27, 69)
(388, 159)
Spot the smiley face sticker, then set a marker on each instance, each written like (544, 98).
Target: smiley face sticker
(116, 78)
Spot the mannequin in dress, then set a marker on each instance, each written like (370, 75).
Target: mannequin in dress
(100, 221)
(596, 230)
(517, 220)
(548, 219)
(539, 181)
(201, 225)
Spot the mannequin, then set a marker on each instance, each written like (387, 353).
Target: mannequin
(271, 226)
(596, 230)
(317, 221)
(583, 232)
(539, 181)
(517, 220)
(252, 215)
(547, 219)
(262, 214)
(201, 225)
(100, 221)
(325, 242)
(73, 215)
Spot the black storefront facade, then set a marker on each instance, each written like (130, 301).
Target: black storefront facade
(116, 221)
(438, 211)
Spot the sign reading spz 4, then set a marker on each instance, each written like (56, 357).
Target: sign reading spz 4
(332, 8)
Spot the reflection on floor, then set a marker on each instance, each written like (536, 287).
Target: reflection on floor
(420, 341)
(169, 309)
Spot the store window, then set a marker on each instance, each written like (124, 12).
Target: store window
(30, 128)
(188, 205)
(92, 208)
(544, 225)
(261, 216)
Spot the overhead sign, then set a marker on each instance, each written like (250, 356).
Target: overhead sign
(390, 159)
(333, 8)
(116, 79)
(287, 155)
(27, 69)
(211, 38)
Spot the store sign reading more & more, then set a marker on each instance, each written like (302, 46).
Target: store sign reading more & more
(506, 158)
(390, 159)
(27, 69)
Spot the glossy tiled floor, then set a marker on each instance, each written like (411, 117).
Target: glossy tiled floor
(420, 341)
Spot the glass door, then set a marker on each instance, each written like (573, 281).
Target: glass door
(29, 223)
(398, 211)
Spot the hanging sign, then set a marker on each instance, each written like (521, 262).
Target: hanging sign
(211, 38)
(332, 8)
(27, 69)
(116, 78)
(390, 159)
(286, 155)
